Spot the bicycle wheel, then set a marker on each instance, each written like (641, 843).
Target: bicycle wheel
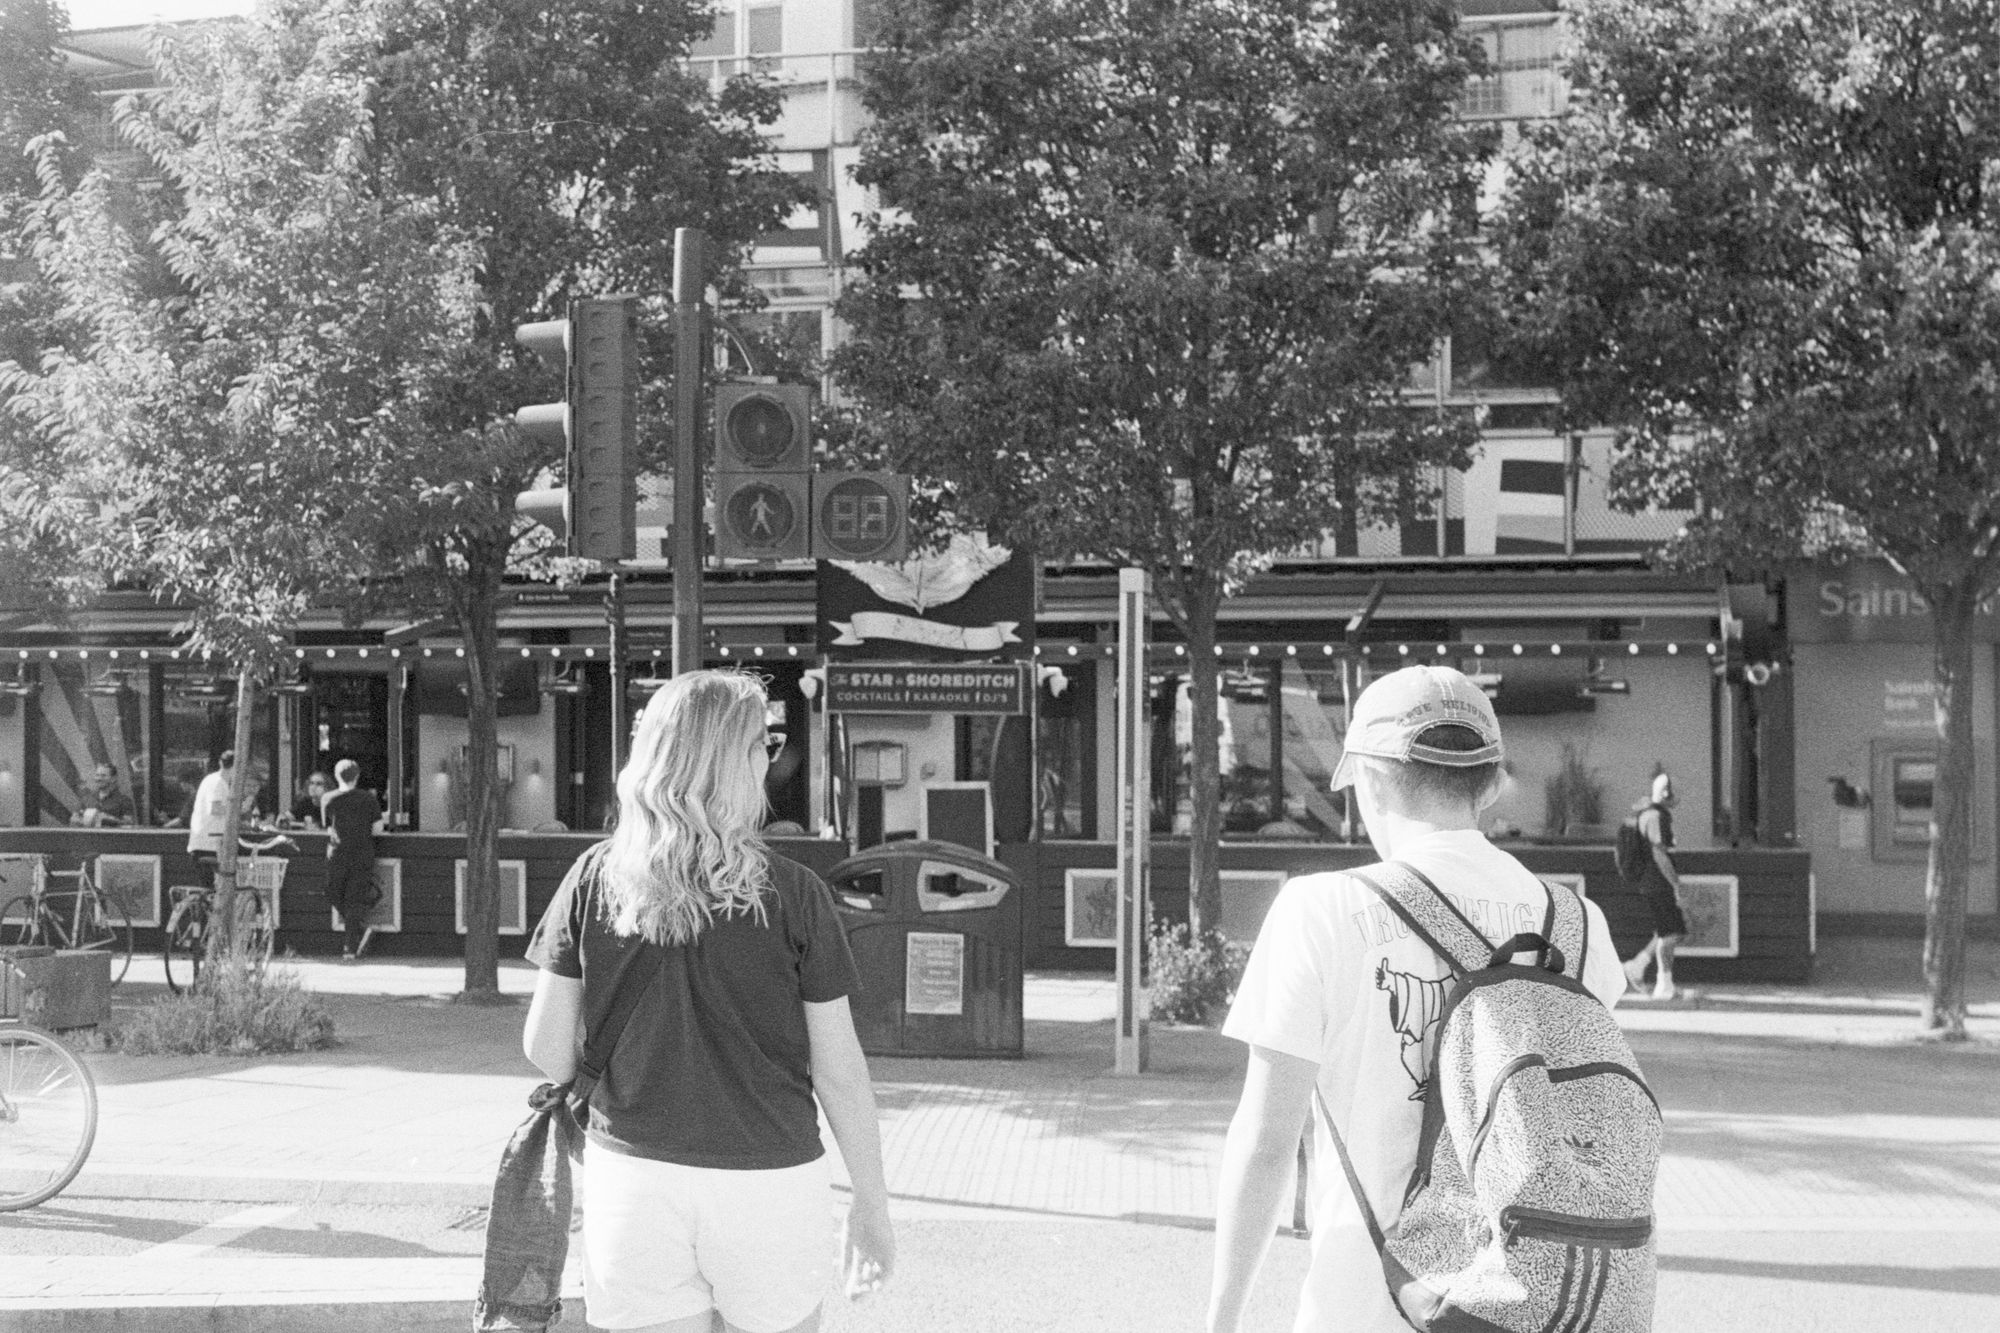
(48, 1117)
(106, 925)
(183, 942)
(253, 928)
(21, 922)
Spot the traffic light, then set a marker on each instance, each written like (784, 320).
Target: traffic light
(861, 516)
(596, 348)
(763, 463)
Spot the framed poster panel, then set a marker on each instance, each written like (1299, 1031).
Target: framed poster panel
(133, 879)
(20, 874)
(513, 896)
(387, 915)
(1710, 904)
(1090, 908)
(960, 813)
(1246, 896)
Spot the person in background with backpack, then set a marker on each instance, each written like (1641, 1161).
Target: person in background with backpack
(1342, 1003)
(1650, 869)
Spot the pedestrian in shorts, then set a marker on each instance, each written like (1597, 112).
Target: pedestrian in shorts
(706, 1187)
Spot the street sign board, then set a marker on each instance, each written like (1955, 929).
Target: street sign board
(902, 687)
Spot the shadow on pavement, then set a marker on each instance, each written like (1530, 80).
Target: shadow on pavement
(1965, 1281)
(66, 1219)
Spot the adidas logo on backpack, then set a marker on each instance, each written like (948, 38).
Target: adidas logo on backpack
(1530, 1208)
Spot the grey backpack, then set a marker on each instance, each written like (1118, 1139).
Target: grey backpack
(1530, 1208)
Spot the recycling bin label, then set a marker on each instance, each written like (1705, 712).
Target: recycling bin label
(934, 973)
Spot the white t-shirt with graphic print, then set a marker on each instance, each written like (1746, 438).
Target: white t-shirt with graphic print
(1337, 978)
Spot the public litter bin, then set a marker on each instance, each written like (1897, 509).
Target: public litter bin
(936, 933)
(57, 989)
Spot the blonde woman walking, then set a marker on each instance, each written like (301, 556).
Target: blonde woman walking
(706, 1188)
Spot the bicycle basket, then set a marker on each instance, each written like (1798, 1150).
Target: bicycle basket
(262, 872)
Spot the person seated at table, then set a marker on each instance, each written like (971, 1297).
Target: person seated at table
(306, 810)
(103, 804)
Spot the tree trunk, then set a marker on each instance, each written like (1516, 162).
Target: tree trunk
(222, 942)
(479, 627)
(1945, 883)
(1204, 764)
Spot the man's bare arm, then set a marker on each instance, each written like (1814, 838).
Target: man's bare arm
(1259, 1156)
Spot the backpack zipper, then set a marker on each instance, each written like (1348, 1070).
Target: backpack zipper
(1562, 1074)
(1617, 1233)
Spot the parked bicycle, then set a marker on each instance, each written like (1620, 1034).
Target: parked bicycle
(48, 1115)
(185, 940)
(66, 910)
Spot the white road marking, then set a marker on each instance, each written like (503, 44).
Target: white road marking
(217, 1233)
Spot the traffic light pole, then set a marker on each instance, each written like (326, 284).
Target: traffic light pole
(690, 346)
(621, 704)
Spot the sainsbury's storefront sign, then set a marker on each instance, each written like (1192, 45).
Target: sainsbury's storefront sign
(1866, 602)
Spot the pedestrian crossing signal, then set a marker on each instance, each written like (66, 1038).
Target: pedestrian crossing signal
(762, 515)
(860, 516)
(763, 428)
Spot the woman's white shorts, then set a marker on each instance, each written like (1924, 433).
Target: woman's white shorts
(662, 1242)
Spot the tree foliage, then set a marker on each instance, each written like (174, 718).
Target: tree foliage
(293, 374)
(42, 103)
(1765, 243)
(569, 141)
(251, 336)
(1148, 280)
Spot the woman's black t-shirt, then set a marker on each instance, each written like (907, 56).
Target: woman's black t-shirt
(713, 1069)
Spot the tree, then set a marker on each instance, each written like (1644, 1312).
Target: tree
(1765, 244)
(41, 104)
(1148, 280)
(570, 141)
(332, 361)
(247, 342)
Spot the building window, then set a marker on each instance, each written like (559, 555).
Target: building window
(715, 49)
(756, 31)
(1521, 71)
(764, 33)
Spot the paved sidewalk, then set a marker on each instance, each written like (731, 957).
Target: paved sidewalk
(1789, 1110)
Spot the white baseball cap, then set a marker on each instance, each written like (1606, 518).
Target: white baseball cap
(1398, 708)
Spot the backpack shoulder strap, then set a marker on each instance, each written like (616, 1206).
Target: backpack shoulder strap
(632, 986)
(1567, 926)
(1353, 1177)
(1433, 918)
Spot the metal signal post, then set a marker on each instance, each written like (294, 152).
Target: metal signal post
(690, 345)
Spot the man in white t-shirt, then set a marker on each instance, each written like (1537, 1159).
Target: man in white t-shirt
(210, 813)
(1338, 994)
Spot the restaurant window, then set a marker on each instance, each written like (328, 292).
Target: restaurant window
(93, 746)
(346, 717)
(1315, 725)
(994, 750)
(197, 723)
(1066, 749)
(1280, 728)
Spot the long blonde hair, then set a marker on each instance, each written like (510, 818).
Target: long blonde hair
(689, 807)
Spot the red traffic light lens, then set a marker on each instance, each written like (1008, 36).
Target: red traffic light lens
(760, 429)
